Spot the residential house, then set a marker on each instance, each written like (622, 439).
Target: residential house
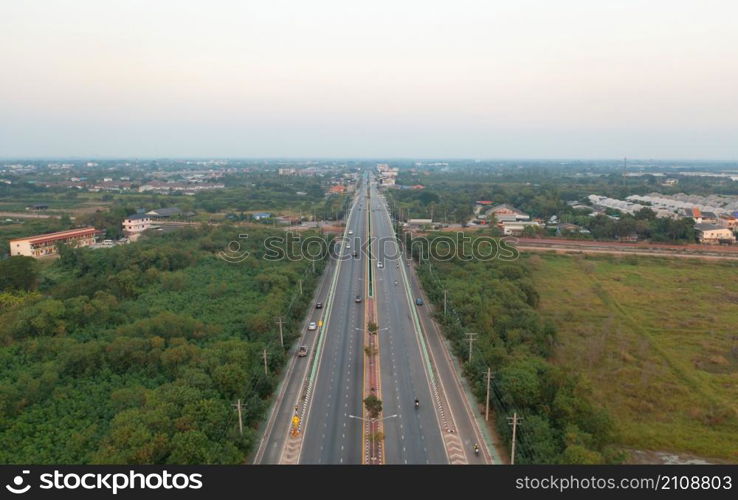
(565, 228)
(694, 213)
(712, 234)
(136, 223)
(506, 213)
(728, 220)
(709, 218)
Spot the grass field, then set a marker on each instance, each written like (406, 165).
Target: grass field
(657, 338)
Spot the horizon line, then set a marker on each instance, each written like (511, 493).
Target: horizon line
(365, 158)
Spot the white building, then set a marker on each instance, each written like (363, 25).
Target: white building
(47, 244)
(516, 228)
(714, 234)
(135, 224)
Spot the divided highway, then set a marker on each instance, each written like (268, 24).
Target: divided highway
(312, 418)
(331, 436)
(324, 388)
(414, 437)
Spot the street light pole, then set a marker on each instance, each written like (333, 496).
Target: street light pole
(372, 421)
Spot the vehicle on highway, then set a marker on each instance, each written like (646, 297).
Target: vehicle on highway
(418, 301)
(318, 305)
(302, 351)
(312, 326)
(417, 403)
(357, 299)
(351, 232)
(356, 254)
(380, 265)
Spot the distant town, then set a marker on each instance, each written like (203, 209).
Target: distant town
(71, 188)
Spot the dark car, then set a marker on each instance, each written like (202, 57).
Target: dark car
(418, 301)
(357, 299)
(319, 305)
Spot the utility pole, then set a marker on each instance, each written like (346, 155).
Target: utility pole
(471, 336)
(486, 406)
(281, 336)
(238, 407)
(266, 371)
(514, 421)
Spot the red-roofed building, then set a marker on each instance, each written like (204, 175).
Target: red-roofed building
(46, 244)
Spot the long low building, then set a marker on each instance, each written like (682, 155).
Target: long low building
(714, 234)
(47, 244)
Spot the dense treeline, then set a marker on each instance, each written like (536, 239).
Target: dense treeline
(643, 224)
(135, 354)
(498, 300)
(453, 201)
(450, 198)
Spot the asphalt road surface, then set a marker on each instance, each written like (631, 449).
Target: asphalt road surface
(414, 437)
(412, 350)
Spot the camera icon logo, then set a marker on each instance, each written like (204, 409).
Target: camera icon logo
(17, 486)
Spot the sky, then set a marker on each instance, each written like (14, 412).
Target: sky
(386, 78)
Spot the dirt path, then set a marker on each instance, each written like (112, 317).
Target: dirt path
(565, 247)
(27, 215)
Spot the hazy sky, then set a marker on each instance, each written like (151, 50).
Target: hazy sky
(384, 78)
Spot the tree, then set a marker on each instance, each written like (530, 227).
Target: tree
(18, 274)
(645, 213)
(373, 406)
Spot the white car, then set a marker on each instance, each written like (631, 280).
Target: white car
(351, 232)
(312, 326)
(380, 265)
